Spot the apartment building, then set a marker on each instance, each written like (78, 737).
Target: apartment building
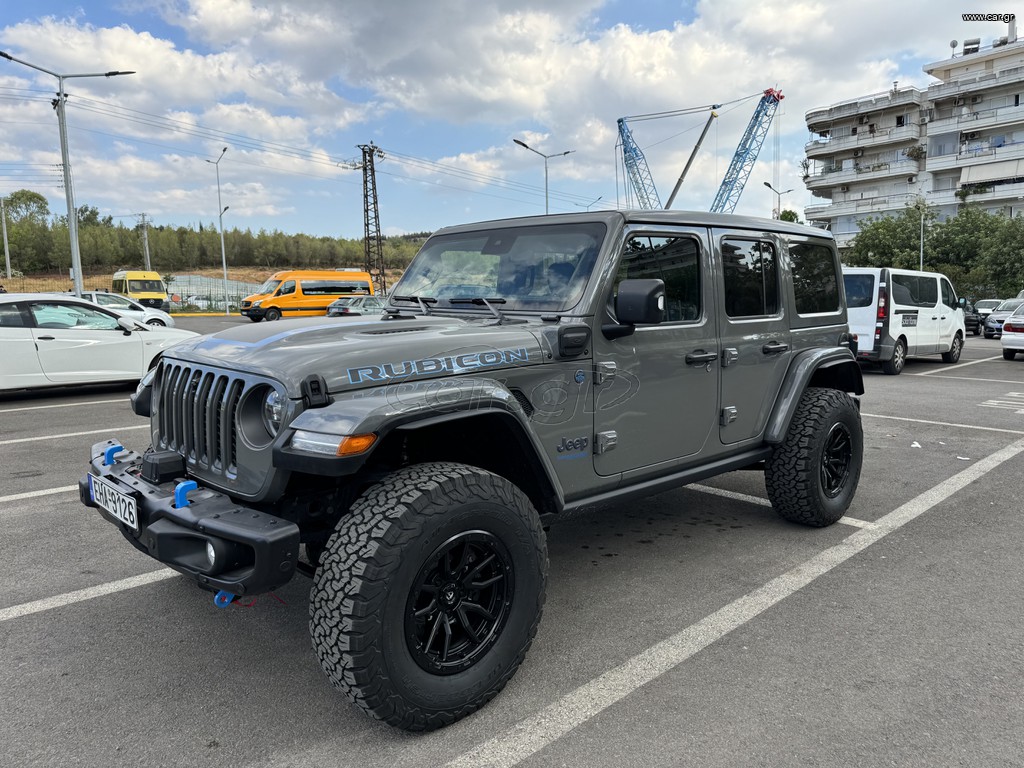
(872, 155)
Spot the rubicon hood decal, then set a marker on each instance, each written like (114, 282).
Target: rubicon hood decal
(447, 364)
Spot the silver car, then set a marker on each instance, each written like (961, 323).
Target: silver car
(129, 308)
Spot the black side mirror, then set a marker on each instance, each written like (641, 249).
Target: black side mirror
(639, 302)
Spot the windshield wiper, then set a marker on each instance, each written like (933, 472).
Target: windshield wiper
(482, 302)
(423, 301)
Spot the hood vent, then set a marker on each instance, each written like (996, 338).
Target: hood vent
(386, 331)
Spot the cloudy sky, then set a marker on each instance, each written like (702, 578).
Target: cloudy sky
(291, 87)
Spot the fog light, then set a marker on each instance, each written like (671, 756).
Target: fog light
(211, 554)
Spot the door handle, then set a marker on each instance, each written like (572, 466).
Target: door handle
(774, 348)
(46, 338)
(700, 357)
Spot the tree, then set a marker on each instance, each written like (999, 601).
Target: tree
(789, 215)
(25, 205)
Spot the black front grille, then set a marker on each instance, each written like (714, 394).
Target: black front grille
(154, 303)
(198, 416)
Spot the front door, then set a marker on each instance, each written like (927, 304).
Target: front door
(656, 390)
(77, 344)
(756, 344)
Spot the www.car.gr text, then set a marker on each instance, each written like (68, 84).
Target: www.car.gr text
(1006, 18)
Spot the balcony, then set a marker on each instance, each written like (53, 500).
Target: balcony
(871, 103)
(975, 154)
(868, 206)
(862, 172)
(978, 121)
(976, 82)
(834, 146)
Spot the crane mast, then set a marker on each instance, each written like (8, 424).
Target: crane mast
(746, 153)
(636, 167)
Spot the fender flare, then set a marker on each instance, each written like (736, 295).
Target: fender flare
(835, 367)
(407, 406)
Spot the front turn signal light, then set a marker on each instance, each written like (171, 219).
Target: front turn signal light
(354, 444)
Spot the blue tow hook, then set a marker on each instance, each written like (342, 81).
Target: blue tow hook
(181, 491)
(108, 455)
(223, 599)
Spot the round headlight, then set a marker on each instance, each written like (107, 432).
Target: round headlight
(273, 411)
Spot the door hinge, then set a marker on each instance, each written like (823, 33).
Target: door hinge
(729, 414)
(605, 441)
(604, 372)
(729, 356)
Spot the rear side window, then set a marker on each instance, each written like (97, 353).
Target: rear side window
(815, 278)
(860, 290)
(751, 278)
(334, 287)
(10, 317)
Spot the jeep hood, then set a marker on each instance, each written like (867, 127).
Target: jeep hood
(353, 354)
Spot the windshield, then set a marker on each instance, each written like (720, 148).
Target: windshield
(987, 304)
(268, 287)
(1009, 305)
(543, 268)
(145, 286)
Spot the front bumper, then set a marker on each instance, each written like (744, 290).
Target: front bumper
(255, 552)
(257, 313)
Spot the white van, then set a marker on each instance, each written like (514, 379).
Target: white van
(897, 313)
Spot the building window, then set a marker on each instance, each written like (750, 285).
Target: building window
(901, 120)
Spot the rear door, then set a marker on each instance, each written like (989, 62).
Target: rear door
(20, 366)
(756, 344)
(862, 305)
(913, 315)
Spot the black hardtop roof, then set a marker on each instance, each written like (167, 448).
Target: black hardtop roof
(640, 216)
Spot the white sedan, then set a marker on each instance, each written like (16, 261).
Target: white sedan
(1013, 334)
(129, 308)
(51, 341)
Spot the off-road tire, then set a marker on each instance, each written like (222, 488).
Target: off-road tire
(894, 366)
(367, 592)
(273, 314)
(812, 475)
(1009, 354)
(953, 356)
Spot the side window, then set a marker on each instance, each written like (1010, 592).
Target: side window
(948, 294)
(676, 261)
(287, 288)
(76, 316)
(815, 278)
(751, 273)
(929, 293)
(904, 290)
(10, 317)
(119, 286)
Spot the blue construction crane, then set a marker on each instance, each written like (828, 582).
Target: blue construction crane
(746, 153)
(636, 167)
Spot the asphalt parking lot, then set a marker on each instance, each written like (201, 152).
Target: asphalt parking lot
(693, 628)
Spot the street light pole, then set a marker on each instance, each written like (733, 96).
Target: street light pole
(524, 145)
(220, 216)
(58, 105)
(778, 199)
(7, 253)
(920, 266)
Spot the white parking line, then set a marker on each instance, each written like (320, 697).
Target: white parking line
(944, 424)
(72, 434)
(123, 400)
(68, 598)
(35, 494)
(533, 734)
(958, 365)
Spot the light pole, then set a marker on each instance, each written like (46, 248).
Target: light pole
(778, 199)
(587, 205)
(220, 216)
(58, 104)
(7, 253)
(920, 262)
(524, 145)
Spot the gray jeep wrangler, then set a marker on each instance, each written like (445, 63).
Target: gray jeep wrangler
(521, 368)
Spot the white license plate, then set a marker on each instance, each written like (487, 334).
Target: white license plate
(118, 504)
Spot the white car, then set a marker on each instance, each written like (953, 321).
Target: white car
(129, 308)
(1013, 334)
(51, 341)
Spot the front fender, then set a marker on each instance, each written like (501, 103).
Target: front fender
(407, 406)
(835, 367)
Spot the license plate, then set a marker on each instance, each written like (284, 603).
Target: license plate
(118, 504)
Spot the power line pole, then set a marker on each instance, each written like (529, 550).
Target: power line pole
(7, 253)
(145, 240)
(373, 251)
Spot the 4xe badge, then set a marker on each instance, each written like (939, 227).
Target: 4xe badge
(573, 444)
